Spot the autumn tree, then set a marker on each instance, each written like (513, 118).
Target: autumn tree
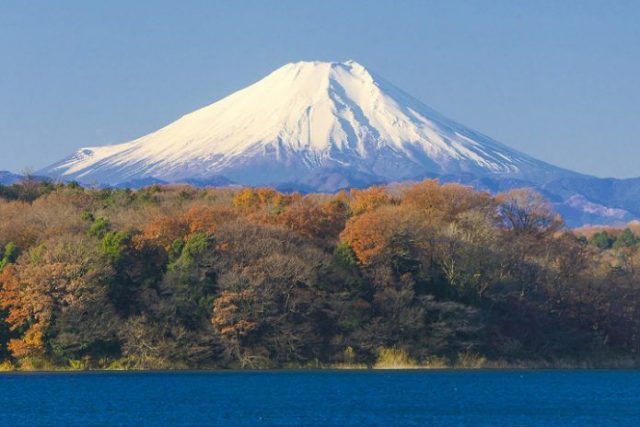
(526, 212)
(56, 300)
(321, 221)
(369, 199)
(438, 204)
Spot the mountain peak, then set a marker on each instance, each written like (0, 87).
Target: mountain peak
(331, 64)
(319, 70)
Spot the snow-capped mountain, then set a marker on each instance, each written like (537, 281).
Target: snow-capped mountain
(318, 126)
(302, 119)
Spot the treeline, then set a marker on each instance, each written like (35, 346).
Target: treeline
(610, 238)
(180, 277)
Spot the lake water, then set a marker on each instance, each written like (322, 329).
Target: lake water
(323, 398)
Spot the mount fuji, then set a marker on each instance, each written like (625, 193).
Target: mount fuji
(323, 126)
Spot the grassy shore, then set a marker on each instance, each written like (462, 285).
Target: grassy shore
(388, 359)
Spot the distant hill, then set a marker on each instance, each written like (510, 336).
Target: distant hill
(8, 178)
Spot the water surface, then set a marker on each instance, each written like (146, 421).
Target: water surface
(322, 398)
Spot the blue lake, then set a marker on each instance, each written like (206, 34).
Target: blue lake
(323, 398)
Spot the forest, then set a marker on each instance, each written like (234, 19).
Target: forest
(408, 275)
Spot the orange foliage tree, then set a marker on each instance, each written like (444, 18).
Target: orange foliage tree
(44, 282)
(315, 220)
(370, 233)
(444, 203)
(369, 199)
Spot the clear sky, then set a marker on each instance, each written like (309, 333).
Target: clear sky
(559, 80)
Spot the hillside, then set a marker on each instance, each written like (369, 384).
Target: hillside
(422, 274)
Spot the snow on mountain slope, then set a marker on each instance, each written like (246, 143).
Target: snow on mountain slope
(321, 124)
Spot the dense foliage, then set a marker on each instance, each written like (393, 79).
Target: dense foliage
(177, 277)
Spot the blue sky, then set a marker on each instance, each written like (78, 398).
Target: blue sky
(559, 80)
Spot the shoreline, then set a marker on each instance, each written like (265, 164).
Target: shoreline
(485, 368)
